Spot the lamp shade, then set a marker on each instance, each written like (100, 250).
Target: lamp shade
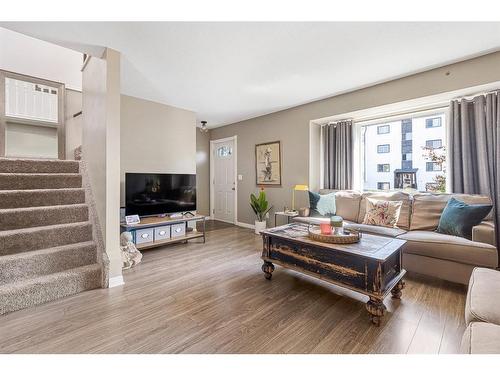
(301, 187)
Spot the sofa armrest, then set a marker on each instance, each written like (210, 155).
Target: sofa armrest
(484, 232)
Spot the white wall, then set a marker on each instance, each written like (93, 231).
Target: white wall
(156, 138)
(101, 147)
(26, 55)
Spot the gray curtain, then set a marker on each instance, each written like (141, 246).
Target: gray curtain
(475, 149)
(337, 157)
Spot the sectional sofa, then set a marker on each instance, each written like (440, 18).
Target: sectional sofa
(426, 251)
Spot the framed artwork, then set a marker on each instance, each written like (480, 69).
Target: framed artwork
(268, 164)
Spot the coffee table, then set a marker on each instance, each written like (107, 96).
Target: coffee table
(371, 267)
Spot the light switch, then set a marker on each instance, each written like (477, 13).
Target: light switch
(240, 177)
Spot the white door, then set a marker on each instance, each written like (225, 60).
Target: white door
(224, 183)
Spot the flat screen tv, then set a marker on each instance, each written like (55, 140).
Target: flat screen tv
(148, 194)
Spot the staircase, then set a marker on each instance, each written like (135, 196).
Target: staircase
(47, 249)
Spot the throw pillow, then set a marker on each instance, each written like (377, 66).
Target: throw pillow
(382, 213)
(322, 205)
(458, 217)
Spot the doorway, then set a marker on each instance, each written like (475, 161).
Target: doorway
(223, 172)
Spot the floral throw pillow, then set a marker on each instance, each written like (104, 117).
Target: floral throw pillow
(382, 213)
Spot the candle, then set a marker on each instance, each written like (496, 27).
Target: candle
(325, 228)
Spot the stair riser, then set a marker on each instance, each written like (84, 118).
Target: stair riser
(33, 198)
(25, 266)
(19, 242)
(36, 217)
(50, 290)
(38, 166)
(37, 181)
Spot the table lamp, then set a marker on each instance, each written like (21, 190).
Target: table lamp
(297, 188)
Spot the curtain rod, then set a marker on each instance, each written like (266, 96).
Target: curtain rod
(470, 97)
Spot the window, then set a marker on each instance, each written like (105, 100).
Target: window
(402, 157)
(383, 129)
(224, 151)
(383, 167)
(383, 185)
(433, 167)
(383, 149)
(434, 143)
(434, 122)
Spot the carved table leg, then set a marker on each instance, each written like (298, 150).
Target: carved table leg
(376, 308)
(397, 290)
(268, 269)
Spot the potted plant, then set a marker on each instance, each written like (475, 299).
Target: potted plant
(261, 207)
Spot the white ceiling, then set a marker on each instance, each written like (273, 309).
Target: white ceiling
(227, 72)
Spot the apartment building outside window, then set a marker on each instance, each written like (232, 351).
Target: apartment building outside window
(405, 157)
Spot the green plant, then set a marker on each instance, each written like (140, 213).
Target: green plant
(260, 205)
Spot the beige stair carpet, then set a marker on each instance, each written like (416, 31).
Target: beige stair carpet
(46, 246)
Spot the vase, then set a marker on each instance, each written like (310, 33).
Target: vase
(260, 226)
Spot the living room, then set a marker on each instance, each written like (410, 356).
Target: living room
(301, 200)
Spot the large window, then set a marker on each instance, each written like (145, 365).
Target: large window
(412, 154)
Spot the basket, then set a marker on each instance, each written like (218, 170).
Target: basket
(343, 239)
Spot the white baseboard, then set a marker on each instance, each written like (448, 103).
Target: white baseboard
(116, 281)
(245, 225)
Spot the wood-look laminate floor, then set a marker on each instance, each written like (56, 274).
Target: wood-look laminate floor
(213, 298)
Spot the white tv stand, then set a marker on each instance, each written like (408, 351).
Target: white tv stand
(157, 231)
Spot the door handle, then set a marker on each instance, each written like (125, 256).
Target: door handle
(233, 188)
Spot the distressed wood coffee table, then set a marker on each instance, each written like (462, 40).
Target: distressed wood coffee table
(371, 267)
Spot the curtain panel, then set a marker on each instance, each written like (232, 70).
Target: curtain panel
(475, 149)
(338, 155)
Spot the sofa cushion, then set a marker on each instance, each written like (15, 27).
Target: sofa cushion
(382, 213)
(404, 215)
(481, 338)
(458, 217)
(444, 246)
(347, 203)
(321, 204)
(428, 207)
(483, 297)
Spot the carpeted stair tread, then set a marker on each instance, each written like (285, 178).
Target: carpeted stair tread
(41, 197)
(22, 266)
(23, 181)
(28, 239)
(28, 217)
(26, 293)
(13, 165)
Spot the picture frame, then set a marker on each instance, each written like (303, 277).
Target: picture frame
(268, 164)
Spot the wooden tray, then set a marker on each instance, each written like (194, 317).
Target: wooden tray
(351, 237)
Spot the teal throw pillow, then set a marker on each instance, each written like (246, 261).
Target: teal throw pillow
(458, 217)
(322, 205)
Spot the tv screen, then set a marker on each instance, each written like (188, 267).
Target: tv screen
(149, 194)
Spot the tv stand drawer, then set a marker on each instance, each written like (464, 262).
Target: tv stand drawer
(144, 236)
(178, 230)
(162, 233)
